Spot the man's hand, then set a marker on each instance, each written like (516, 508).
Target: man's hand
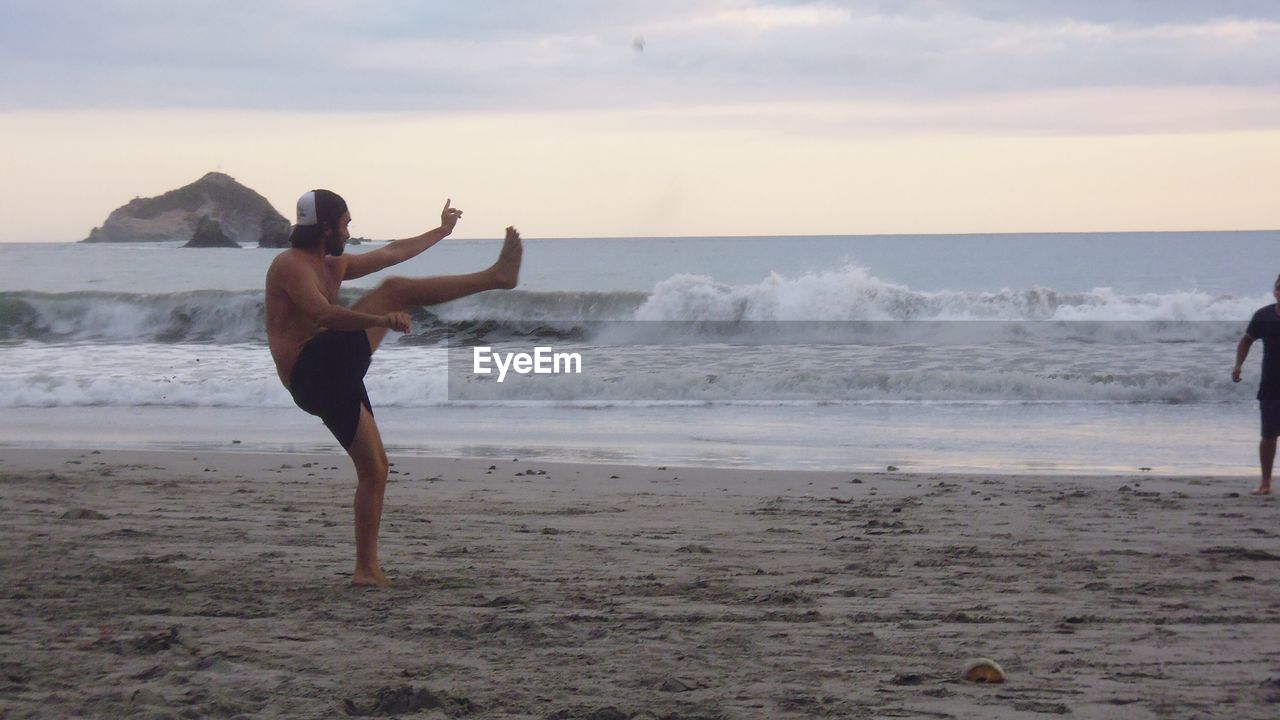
(449, 217)
(1235, 374)
(397, 321)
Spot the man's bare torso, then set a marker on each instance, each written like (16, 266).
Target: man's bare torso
(288, 329)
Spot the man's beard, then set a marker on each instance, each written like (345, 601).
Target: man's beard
(333, 245)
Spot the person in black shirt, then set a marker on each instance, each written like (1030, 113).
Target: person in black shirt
(1265, 326)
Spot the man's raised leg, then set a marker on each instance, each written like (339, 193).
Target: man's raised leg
(397, 294)
(370, 459)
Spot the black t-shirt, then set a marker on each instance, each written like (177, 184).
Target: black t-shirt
(1265, 326)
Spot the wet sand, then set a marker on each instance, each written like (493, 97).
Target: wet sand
(167, 584)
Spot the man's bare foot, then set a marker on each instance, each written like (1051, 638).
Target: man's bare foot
(506, 270)
(364, 578)
(1261, 490)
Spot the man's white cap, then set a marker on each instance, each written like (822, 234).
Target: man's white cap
(307, 214)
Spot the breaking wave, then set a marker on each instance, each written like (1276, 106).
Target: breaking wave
(850, 294)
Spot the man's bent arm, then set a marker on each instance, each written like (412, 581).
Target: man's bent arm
(1242, 352)
(340, 318)
(304, 294)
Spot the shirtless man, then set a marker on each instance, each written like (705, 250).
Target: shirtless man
(322, 349)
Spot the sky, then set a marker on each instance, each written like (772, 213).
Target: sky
(570, 118)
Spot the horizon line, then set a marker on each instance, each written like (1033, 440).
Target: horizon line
(752, 236)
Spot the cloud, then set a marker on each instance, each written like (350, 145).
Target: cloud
(513, 55)
(1120, 12)
(771, 17)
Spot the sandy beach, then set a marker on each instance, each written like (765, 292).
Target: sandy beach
(198, 584)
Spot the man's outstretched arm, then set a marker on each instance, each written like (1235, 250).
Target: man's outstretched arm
(396, 252)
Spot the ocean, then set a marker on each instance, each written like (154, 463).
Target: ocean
(1047, 353)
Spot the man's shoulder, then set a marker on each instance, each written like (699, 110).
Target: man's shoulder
(288, 267)
(280, 263)
(282, 258)
(292, 261)
(336, 263)
(1265, 323)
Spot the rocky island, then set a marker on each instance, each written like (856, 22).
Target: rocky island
(240, 215)
(209, 234)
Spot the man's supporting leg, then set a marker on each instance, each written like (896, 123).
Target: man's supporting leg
(1267, 456)
(397, 294)
(370, 459)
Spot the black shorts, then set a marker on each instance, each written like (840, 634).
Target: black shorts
(328, 380)
(1270, 418)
